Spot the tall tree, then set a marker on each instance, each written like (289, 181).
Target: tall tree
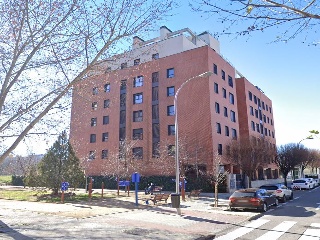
(249, 155)
(287, 158)
(46, 47)
(60, 164)
(296, 17)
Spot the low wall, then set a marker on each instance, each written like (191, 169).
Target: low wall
(258, 183)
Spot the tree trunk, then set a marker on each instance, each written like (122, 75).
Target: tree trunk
(216, 194)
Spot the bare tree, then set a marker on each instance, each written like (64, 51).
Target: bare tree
(48, 46)
(295, 16)
(217, 176)
(287, 158)
(249, 155)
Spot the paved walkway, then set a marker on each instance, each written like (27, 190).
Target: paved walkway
(117, 218)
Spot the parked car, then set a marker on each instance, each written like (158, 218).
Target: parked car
(312, 182)
(301, 184)
(280, 190)
(252, 198)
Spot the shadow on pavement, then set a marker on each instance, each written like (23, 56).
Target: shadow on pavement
(5, 230)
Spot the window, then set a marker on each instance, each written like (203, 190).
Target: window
(223, 75)
(136, 61)
(218, 126)
(215, 69)
(216, 88)
(230, 81)
(250, 96)
(123, 65)
(155, 56)
(123, 84)
(122, 133)
(170, 110)
(219, 149)
(272, 134)
(156, 130)
(224, 93)
(138, 81)
(263, 106)
(108, 70)
(104, 154)
(266, 131)
(155, 77)
(105, 136)
(155, 149)
(155, 112)
(270, 109)
(106, 103)
(255, 99)
(171, 130)
(94, 106)
(137, 152)
(264, 118)
(231, 98)
(253, 126)
(258, 127)
(171, 150)
(137, 133)
(170, 73)
(94, 91)
(92, 138)
(269, 132)
(137, 98)
(122, 116)
(93, 122)
(259, 103)
(155, 93)
(268, 119)
(92, 155)
(107, 87)
(251, 111)
(225, 111)
(217, 107)
(234, 133)
(122, 99)
(271, 122)
(232, 116)
(137, 116)
(256, 113)
(226, 130)
(170, 91)
(105, 120)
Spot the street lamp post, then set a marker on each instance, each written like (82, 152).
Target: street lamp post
(202, 75)
(309, 137)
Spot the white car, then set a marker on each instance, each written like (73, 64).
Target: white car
(302, 183)
(280, 190)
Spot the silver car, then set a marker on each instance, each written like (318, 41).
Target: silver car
(280, 190)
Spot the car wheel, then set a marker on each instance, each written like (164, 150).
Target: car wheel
(277, 201)
(284, 198)
(291, 196)
(264, 207)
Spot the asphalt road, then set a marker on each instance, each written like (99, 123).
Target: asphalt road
(295, 219)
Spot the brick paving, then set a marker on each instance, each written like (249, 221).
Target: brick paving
(117, 218)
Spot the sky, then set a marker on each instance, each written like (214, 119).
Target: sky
(288, 73)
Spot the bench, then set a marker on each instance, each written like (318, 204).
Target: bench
(195, 193)
(160, 197)
(158, 189)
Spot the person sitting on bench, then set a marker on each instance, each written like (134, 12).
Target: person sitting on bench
(149, 189)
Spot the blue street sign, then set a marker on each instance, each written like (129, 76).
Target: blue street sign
(64, 186)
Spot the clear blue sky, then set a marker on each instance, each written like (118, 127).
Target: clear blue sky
(288, 73)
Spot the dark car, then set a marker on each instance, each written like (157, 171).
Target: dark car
(252, 198)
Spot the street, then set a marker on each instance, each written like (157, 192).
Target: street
(295, 219)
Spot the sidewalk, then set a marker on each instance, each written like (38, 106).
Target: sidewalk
(117, 218)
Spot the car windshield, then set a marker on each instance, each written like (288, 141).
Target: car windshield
(299, 181)
(269, 187)
(243, 194)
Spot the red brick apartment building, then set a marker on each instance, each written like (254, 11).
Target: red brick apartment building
(130, 98)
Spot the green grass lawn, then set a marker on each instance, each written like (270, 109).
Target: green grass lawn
(5, 180)
(26, 194)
